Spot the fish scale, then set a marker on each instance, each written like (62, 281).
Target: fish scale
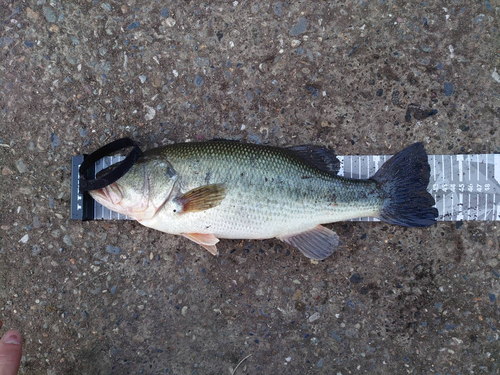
(297, 195)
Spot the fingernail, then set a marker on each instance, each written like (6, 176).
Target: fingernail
(13, 339)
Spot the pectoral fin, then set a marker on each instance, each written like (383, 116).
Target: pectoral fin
(208, 241)
(202, 198)
(318, 243)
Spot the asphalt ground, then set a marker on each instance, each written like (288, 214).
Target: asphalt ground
(119, 298)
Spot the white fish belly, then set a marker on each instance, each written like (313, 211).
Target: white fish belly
(239, 218)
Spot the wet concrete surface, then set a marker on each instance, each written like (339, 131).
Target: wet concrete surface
(361, 77)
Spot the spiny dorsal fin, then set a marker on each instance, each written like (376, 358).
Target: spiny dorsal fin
(319, 156)
(202, 198)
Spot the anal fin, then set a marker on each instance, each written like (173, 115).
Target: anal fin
(207, 241)
(318, 243)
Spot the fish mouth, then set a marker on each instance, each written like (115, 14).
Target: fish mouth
(100, 195)
(110, 193)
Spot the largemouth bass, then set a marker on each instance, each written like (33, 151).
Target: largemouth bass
(222, 189)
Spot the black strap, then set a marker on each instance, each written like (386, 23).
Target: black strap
(115, 174)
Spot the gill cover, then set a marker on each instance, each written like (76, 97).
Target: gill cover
(142, 191)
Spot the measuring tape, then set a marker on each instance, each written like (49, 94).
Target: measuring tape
(465, 187)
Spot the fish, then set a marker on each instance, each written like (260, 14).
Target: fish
(217, 189)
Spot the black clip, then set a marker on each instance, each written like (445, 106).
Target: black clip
(116, 173)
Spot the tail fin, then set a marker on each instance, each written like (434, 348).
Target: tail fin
(404, 179)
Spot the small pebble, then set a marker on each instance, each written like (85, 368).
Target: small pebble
(5, 41)
(311, 58)
(448, 88)
(495, 75)
(151, 113)
(336, 336)
(25, 238)
(21, 167)
(142, 78)
(164, 12)
(300, 27)
(31, 13)
(198, 80)
(314, 317)
(35, 250)
(356, 278)
(49, 14)
(67, 240)
(170, 22)
(202, 61)
(278, 9)
(115, 250)
(6, 171)
(493, 262)
(133, 25)
(36, 222)
(54, 141)
(479, 18)
(184, 310)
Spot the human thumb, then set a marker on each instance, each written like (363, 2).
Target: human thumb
(10, 353)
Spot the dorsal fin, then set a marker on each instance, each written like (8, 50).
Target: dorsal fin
(319, 156)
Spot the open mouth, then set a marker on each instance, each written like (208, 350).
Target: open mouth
(110, 193)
